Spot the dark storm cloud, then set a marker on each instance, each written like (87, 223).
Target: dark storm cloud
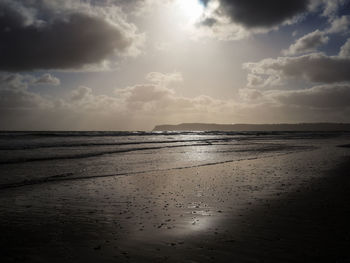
(257, 13)
(33, 40)
(209, 21)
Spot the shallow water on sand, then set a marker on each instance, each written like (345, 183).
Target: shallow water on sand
(37, 157)
(174, 197)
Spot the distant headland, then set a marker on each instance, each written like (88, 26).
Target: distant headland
(255, 127)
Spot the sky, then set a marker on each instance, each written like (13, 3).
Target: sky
(134, 64)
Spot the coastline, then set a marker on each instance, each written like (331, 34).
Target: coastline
(284, 208)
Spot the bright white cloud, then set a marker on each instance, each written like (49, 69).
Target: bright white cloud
(330, 7)
(339, 25)
(145, 105)
(323, 96)
(315, 67)
(345, 50)
(14, 94)
(47, 79)
(164, 79)
(308, 43)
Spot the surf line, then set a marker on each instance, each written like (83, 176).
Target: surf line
(59, 178)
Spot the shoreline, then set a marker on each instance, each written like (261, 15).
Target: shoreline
(273, 209)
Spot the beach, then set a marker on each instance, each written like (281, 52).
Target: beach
(279, 204)
(174, 131)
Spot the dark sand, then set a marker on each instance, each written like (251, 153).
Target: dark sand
(288, 208)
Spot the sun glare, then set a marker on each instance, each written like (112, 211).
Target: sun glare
(192, 9)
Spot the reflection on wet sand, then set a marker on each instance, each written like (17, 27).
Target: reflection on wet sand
(278, 208)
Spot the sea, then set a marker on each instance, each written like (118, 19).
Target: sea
(28, 158)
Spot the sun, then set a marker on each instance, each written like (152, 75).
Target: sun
(191, 9)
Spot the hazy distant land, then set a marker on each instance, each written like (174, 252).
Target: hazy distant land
(254, 127)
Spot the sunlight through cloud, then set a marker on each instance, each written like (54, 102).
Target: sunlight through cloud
(191, 9)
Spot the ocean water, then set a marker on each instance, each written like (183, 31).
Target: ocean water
(28, 158)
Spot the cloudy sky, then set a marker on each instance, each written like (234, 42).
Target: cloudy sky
(133, 64)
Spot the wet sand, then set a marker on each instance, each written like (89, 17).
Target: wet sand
(291, 207)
